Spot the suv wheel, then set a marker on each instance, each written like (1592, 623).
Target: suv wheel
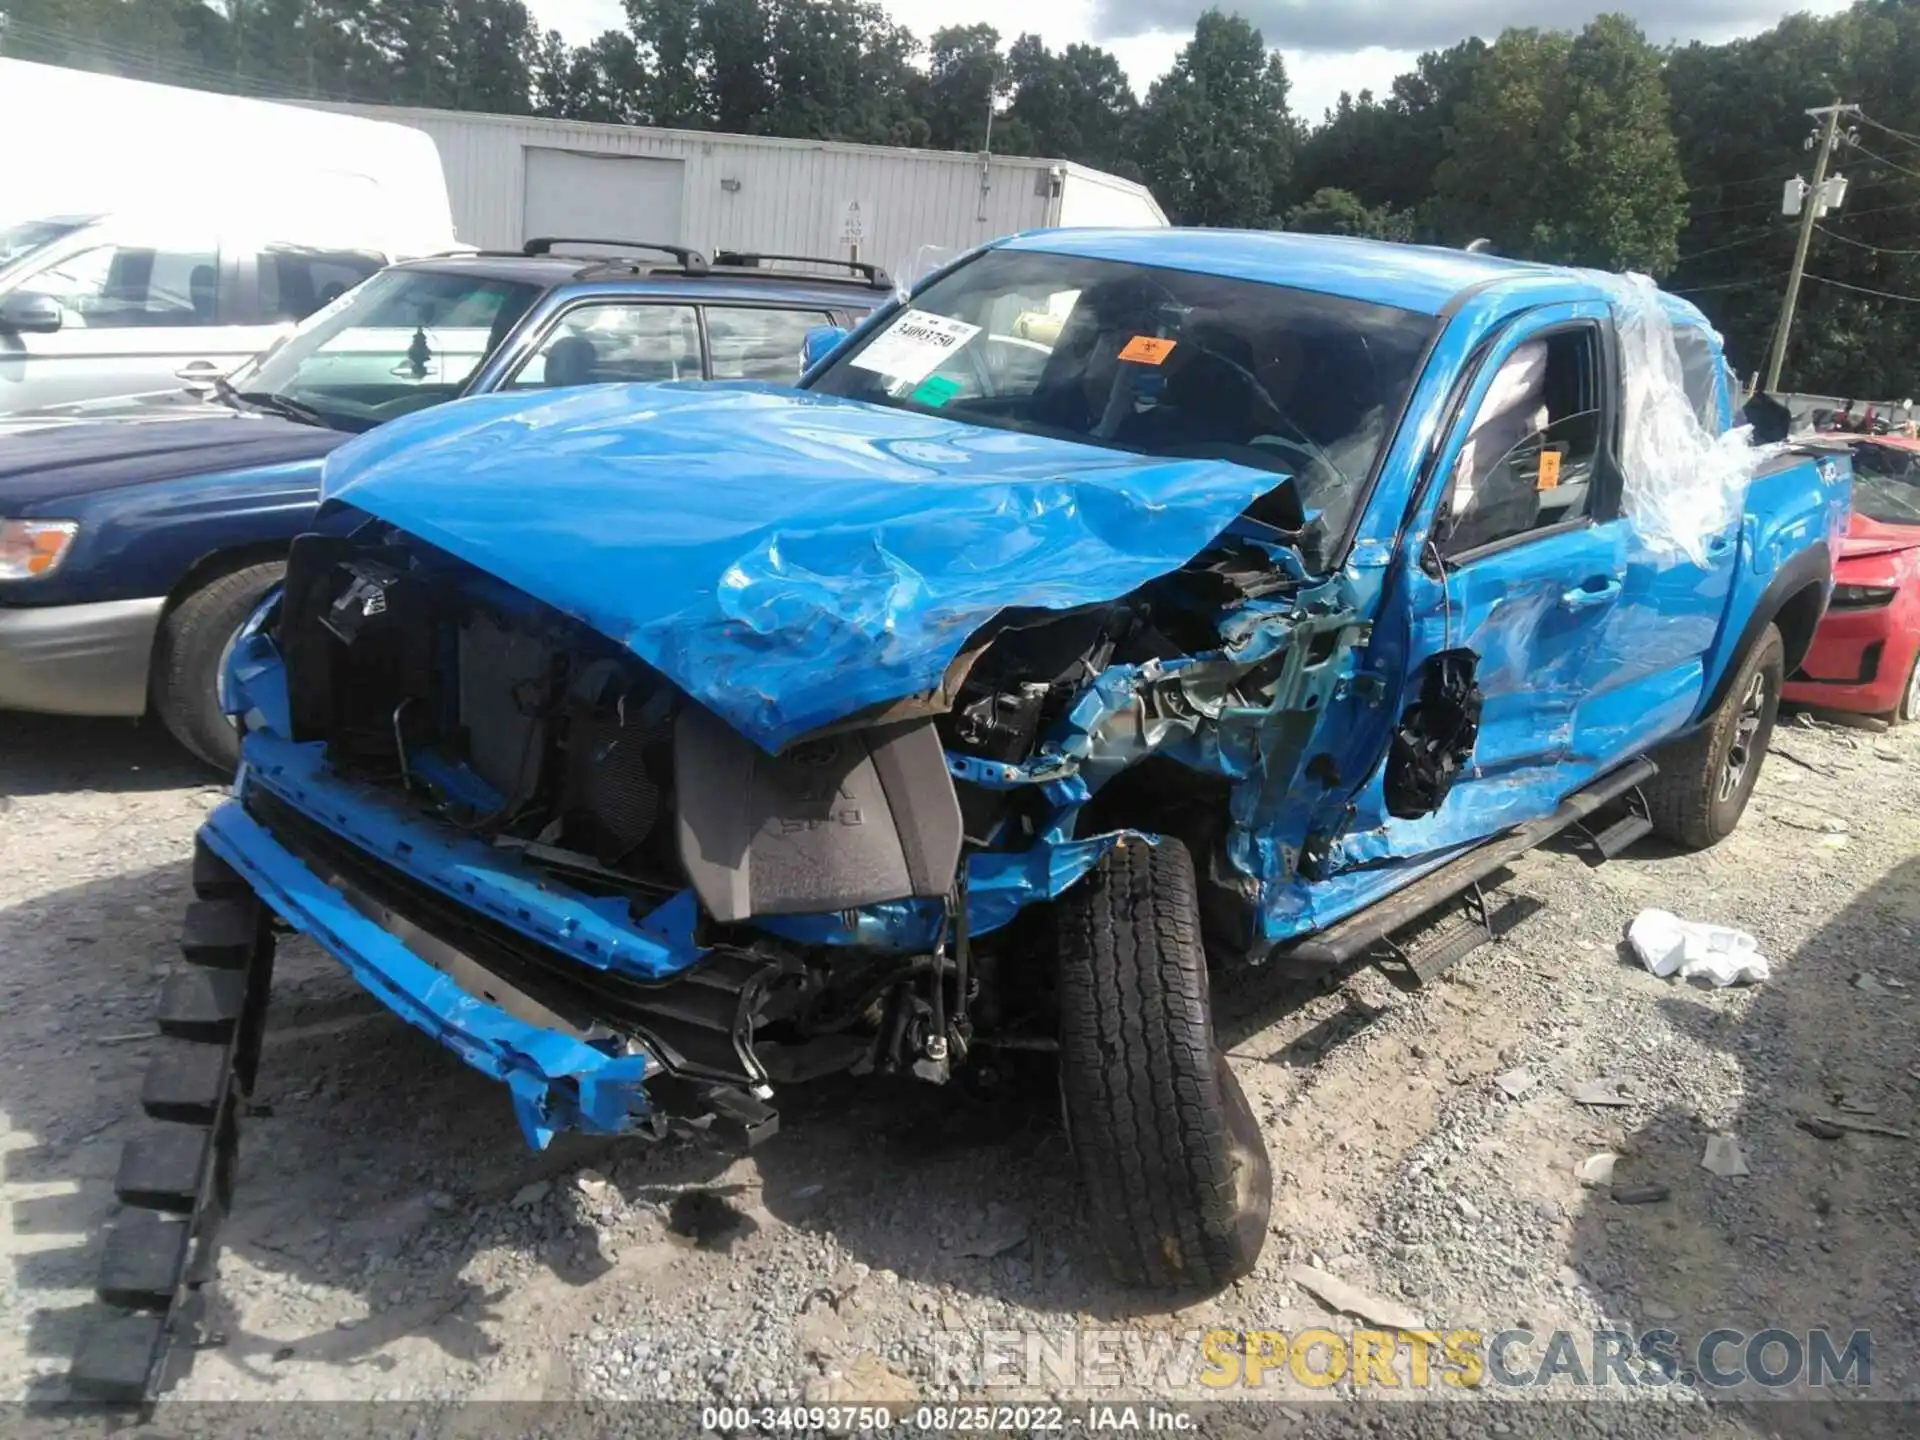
(1171, 1158)
(193, 645)
(1705, 780)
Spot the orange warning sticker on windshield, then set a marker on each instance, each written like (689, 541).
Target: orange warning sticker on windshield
(1549, 469)
(1147, 350)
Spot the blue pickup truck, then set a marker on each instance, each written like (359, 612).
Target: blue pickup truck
(1119, 608)
(136, 536)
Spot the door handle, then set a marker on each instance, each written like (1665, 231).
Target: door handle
(197, 370)
(1597, 591)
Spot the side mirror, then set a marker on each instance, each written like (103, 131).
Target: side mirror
(28, 313)
(821, 342)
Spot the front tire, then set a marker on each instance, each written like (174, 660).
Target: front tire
(1173, 1163)
(1706, 780)
(193, 644)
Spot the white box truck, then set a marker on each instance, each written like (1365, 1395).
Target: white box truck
(152, 236)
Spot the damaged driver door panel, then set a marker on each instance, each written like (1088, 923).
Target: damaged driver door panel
(1510, 574)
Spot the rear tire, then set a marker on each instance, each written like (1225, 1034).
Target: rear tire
(1706, 780)
(1173, 1162)
(186, 665)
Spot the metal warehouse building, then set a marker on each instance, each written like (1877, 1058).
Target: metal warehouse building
(512, 177)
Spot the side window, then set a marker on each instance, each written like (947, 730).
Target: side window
(758, 344)
(295, 283)
(1530, 457)
(1700, 373)
(615, 344)
(119, 287)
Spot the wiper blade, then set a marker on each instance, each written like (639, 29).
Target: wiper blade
(285, 408)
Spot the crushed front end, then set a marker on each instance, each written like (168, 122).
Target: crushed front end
(539, 850)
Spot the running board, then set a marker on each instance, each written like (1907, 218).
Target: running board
(175, 1182)
(1353, 937)
(1421, 953)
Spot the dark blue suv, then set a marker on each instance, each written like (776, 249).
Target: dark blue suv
(137, 535)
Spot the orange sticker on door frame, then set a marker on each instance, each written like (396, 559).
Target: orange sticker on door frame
(1549, 470)
(1147, 350)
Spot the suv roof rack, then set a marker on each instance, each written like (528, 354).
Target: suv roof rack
(751, 259)
(691, 261)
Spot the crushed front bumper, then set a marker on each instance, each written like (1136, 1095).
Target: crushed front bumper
(78, 659)
(558, 1082)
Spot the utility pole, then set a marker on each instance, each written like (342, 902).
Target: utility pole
(1813, 206)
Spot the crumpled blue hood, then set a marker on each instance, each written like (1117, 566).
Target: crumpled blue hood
(787, 559)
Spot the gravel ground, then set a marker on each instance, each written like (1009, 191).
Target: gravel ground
(394, 1240)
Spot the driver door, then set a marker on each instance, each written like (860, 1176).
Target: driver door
(1512, 572)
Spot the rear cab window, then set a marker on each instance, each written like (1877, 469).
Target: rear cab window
(1702, 372)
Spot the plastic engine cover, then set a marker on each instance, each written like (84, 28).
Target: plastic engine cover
(831, 824)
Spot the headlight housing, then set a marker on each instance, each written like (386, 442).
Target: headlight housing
(1861, 597)
(32, 548)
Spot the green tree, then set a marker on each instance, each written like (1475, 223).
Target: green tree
(1217, 138)
(965, 73)
(1075, 105)
(734, 42)
(665, 33)
(1387, 151)
(1563, 150)
(843, 70)
(1341, 212)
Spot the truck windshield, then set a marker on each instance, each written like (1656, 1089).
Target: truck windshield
(20, 240)
(1153, 361)
(400, 341)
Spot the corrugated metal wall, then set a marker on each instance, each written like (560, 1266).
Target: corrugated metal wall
(748, 193)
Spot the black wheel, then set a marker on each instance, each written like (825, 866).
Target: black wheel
(1705, 780)
(194, 640)
(1173, 1162)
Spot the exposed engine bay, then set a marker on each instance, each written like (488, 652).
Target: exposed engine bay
(819, 896)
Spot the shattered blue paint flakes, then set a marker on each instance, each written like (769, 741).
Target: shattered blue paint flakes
(829, 557)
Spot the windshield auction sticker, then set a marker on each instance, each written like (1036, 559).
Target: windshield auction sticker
(1147, 350)
(914, 346)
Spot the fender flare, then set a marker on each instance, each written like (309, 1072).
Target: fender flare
(1812, 567)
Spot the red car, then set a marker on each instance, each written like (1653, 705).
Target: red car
(1864, 653)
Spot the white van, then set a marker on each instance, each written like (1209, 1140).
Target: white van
(152, 237)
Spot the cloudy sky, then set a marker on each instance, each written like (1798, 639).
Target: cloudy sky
(1330, 45)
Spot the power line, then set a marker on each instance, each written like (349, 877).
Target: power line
(1731, 284)
(1863, 290)
(1891, 165)
(1729, 184)
(1735, 209)
(1897, 134)
(1730, 245)
(1849, 240)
